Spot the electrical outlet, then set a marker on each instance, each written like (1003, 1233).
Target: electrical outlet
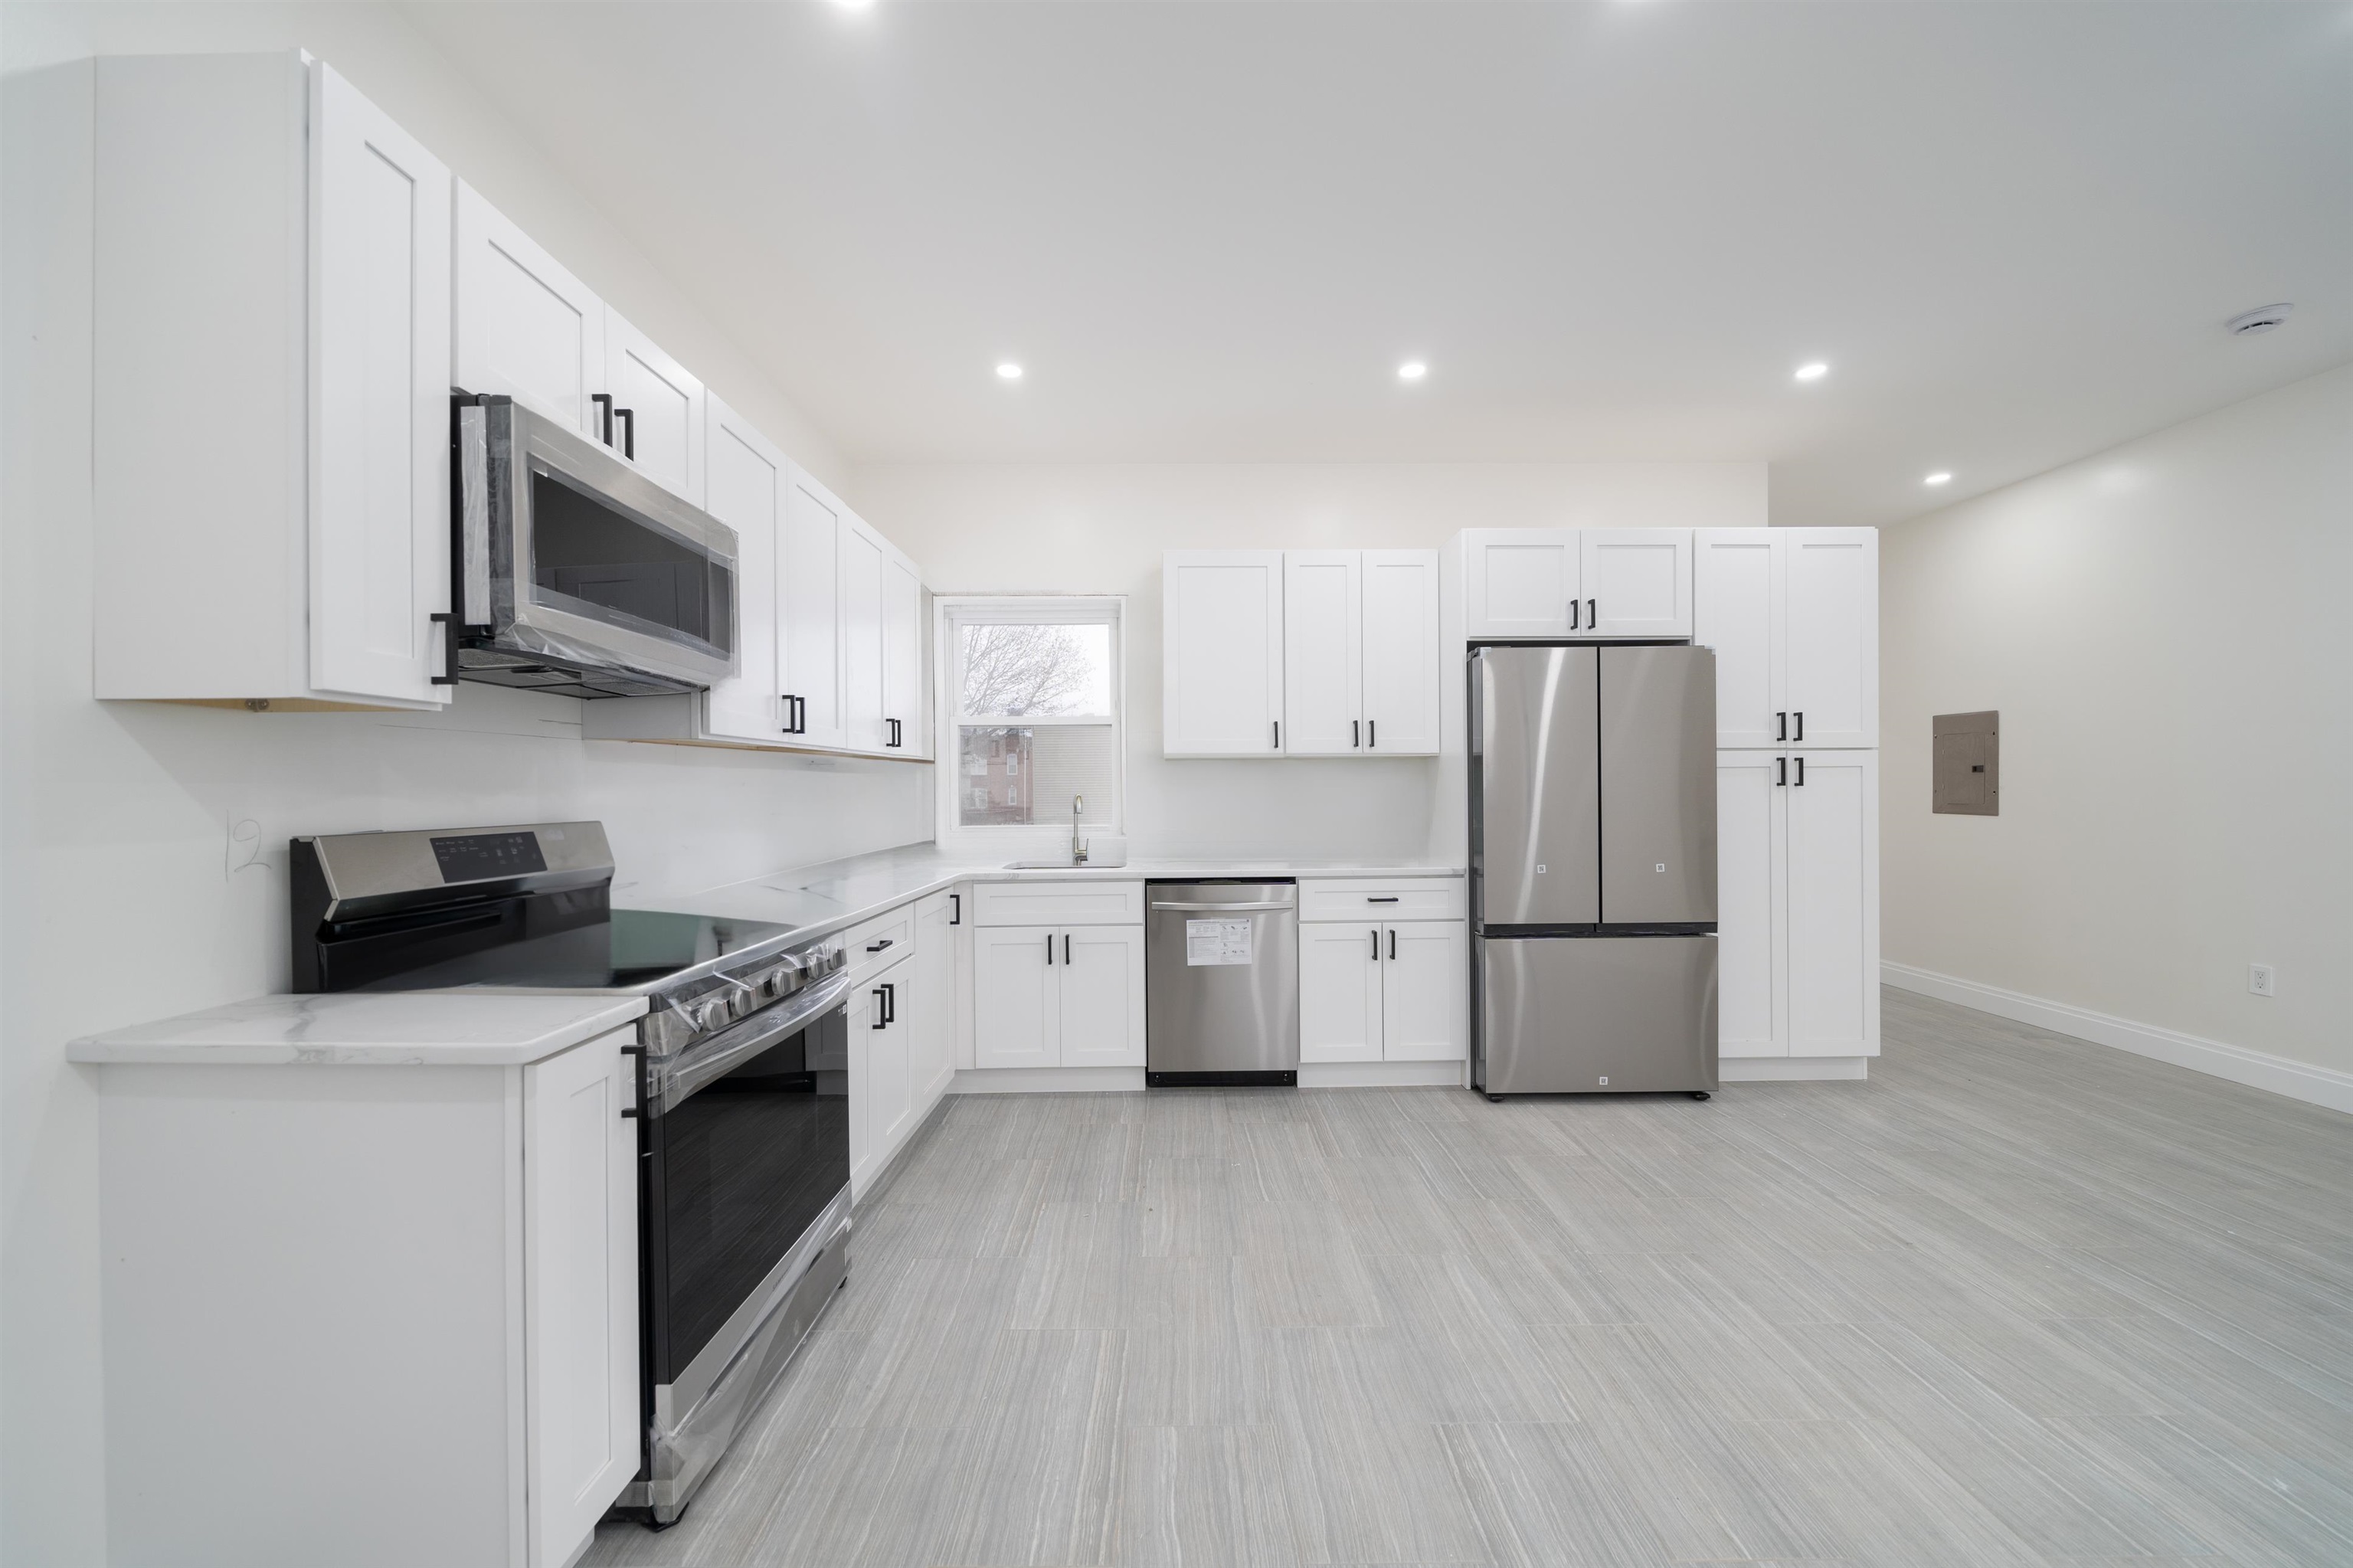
(2260, 981)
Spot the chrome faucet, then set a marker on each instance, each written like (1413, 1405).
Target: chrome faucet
(1078, 850)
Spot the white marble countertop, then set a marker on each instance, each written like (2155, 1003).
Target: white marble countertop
(478, 1029)
(819, 899)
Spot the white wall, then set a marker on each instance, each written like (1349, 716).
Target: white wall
(981, 528)
(123, 893)
(2164, 630)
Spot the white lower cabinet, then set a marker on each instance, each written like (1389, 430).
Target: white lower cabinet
(1383, 992)
(1339, 993)
(882, 1084)
(407, 1295)
(1070, 996)
(580, 1292)
(1798, 903)
(932, 1004)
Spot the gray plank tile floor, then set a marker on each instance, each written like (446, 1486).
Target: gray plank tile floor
(2018, 1299)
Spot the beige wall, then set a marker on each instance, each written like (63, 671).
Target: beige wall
(1100, 529)
(2164, 630)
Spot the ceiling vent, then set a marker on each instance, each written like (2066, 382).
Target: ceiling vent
(2257, 320)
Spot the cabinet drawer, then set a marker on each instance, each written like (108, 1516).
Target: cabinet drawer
(1058, 904)
(1416, 899)
(881, 942)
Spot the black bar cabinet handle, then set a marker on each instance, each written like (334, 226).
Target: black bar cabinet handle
(882, 1017)
(1800, 736)
(634, 1111)
(1376, 944)
(1278, 734)
(1373, 734)
(955, 908)
(1572, 615)
(1381, 898)
(629, 418)
(1801, 773)
(1050, 948)
(890, 1001)
(1780, 727)
(604, 401)
(1592, 617)
(878, 947)
(1392, 944)
(1354, 738)
(1781, 771)
(1066, 949)
(447, 621)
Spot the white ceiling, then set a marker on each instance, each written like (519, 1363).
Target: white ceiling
(1211, 231)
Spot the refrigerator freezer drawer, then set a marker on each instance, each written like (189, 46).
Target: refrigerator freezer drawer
(1595, 1014)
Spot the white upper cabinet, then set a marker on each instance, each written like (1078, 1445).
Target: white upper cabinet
(1736, 591)
(903, 726)
(524, 326)
(1793, 616)
(747, 480)
(1637, 582)
(1401, 664)
(1221, 654)
(1573, 582)
(1521, 582)
(809, 604)
(658, 409)
(1322, 653)
(864, 558)
(1832, 636)
(1342, 662)
(270, 389)
(379, 398)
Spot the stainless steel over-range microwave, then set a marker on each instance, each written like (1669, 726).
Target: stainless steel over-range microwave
(575, 573)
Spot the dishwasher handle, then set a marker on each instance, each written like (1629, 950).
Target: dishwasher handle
(1221, 908)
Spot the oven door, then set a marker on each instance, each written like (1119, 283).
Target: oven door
(741, 1169)
(566, 551)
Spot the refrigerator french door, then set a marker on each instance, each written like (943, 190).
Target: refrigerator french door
(1593, 869)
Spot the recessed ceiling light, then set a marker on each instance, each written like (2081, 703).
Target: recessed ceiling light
(1008, 371)
(1412, 370)
(1812, 371)
(1939, 477)
(853, 4)
(2261, 320)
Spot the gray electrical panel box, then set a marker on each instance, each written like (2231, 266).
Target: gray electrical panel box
(1969, 764)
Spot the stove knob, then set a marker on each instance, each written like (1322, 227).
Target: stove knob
(712, 1015)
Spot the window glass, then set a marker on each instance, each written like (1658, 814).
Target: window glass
(1017, 670)
(1037, 727)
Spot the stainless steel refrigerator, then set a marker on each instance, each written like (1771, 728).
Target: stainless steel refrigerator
(1592, 870)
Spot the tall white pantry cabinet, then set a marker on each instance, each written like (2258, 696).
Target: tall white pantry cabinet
(1793, 616)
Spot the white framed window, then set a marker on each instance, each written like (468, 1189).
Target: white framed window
(1032, 719)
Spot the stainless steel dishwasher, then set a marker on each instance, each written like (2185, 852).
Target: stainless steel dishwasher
(1221, 983)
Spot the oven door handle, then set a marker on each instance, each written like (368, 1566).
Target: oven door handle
(677, 1078)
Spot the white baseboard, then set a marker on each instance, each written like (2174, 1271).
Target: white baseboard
(1047, 1081)
(2256, 1069)
(1790, 1069)
(1379, 1074)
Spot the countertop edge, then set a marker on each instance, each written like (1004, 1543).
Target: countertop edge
(163, 1052)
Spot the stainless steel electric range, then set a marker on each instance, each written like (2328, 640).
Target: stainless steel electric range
(742, 1094)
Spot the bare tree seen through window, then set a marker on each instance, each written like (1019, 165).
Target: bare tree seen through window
(1017, 670)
